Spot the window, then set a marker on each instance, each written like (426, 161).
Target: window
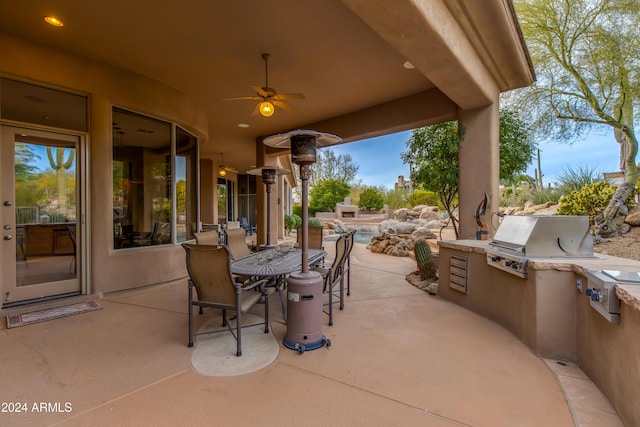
(154, 190)
(29, 103)
(186, 182)
(247, 198)
(225, 201)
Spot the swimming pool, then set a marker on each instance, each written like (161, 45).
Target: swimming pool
(363, 237)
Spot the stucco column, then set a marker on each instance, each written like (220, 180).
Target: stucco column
(479, 159)
(264, 159)
(279, 207)
(261, 197)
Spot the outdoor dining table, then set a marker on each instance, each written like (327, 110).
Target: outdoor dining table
(261, 265)
(258, 265)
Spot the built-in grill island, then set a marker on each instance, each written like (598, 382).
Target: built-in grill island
(540, 278)
(522, 237)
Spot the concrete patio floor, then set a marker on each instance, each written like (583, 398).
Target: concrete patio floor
(399, 357)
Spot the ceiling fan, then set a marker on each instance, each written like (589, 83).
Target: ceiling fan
(222, 169)
(268, 97)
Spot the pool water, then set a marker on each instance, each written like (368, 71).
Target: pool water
(363, 237)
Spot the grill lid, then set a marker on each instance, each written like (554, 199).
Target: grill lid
(545, 236)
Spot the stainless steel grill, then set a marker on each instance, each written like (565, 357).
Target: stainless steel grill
(522, 237)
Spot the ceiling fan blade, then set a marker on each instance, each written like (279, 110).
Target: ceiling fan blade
(228, 168)
(256, 110)
(282, 105)
(282, 96)
(259, 90)
(243, 98)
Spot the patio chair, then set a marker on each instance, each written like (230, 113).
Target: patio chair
(237, 243)
(210, 227)
(209, 268)
(346, 264)
(207, 238)
(244, 223)
(332, 276)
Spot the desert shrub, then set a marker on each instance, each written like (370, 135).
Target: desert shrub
(420, 197)
(297, 210)
(544, 195)
(590, 200)
(291, 222)
(533, 195)
(574, 179)
(313, 222)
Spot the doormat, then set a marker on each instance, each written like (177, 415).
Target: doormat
(23, 319)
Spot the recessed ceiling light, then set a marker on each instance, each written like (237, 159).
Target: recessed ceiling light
(243, 125)
(52, 20)
(408, 65)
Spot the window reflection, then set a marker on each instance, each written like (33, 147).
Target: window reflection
(186, 189)
(142, 196)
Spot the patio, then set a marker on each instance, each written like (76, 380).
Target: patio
(399, 356)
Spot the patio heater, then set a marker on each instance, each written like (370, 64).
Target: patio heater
(268, 174)
(304, 288)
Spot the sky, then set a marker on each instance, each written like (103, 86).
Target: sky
(380, 164)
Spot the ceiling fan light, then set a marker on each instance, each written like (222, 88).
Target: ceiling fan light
(222, 171)
(266, 109)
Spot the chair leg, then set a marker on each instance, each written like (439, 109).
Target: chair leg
(341, 292)
(348, 276)
(266, 312)
(330, 304)
(190, 344)
(224, 317)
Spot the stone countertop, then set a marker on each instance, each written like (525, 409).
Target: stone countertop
(629, 294)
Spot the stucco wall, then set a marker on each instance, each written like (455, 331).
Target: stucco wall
(607, 352)
(540, 310)
(549, 314)
(107, 86)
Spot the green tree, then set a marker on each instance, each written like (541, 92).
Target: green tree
(396, 198)
(434, 151)
(324, 196)
(371, 199)
(181, 196)
(24, 162)
(516, 146)
(587, 59)
(328, 165)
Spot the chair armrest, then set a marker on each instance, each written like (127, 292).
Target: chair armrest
(255, 284)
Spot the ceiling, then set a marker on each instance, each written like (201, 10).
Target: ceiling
(328, 50)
